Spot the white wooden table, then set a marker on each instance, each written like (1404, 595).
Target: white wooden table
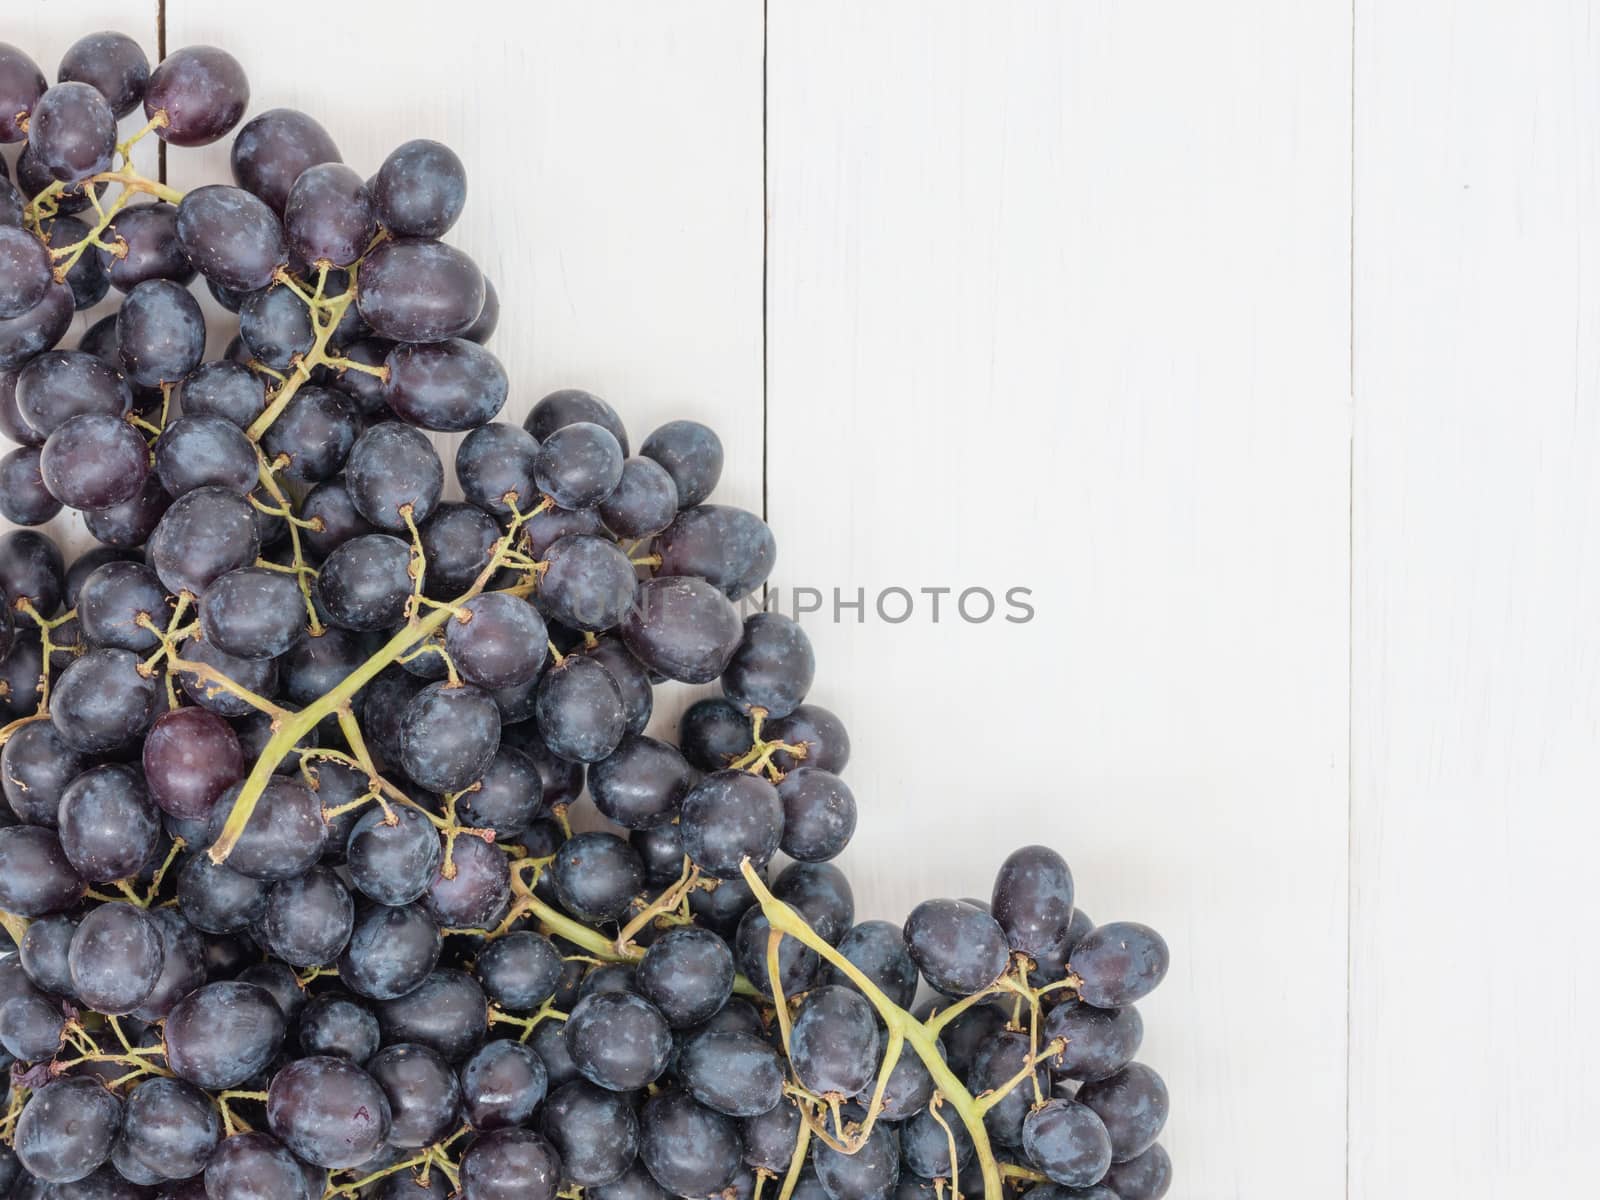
(1260, 340)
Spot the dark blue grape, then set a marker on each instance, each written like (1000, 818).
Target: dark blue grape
(958, 948)
(632, 680)
(730, 548)
(329, 216)
(420, 189)
(1067, 1142)
(330, 503)
(1145, 1177)
(869, 1174)
(836, 1043)
(393, 466)
(365, 584)
(108, 827)
(36, 330)
(477, 894)
(276, 327)
(31, 568)
(328, 1112)
(596, 875)
(488, 320)
(149, 234)
(618, 1040)
(393, 864)
(43, 953)
(446, 385)
(688, 975)
(227, 390)
(25, 271)
(67, 1129)
(253, 613)
(457, 541)
(821, 894)
(24, 499)
(62, 384)
(494, 461)
(336, 1025)
(448, 736)
(35, 877)
(87, 277)
(508, 797)
(771, 1137)
(204, 535)
(579, 710)
(1119, 963)
(21, 85)
(171, 1127)
(35, 768)
(997, 1060)
(315, 433)
(1100, 1041)
(552, 524)
(878, 951)
(415, 290)
(712, 733)
(217, 899)
(447, 1012)
(570, 406)
(161, 333)
(391, 951)
(497, 640)
(644, 502)
(682, 628)
(254, 1166)
(308, 919)
(1032, 899)
(1133, 1104)
(205, 451)
(819, 814)
(773, 667)
(588, 583)
(72, 132)
(113, 64)
(736, 1074)
(94, 461)
(272, 150)
(642, 783)
(730, 816)
(256, 675)
(203, 92)
(578, 465)
(691, 453)
(926, 1144)
(223, 1033)
(823, 735)
(284, 836)
(687, 1148)
(520, 970)
(510, 1164)
(31, 1028)
(103, 702)
(232, 237)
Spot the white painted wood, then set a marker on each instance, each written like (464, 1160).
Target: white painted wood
(1476, 742)
(1058, 298)
(45, 30)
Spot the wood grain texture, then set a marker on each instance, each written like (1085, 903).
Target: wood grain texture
(45, 30)
(1476, 743)
(1058, 298)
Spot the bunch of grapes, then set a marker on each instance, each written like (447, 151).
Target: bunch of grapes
(297, 905)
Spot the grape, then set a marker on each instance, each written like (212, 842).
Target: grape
(115, 957)
(1100, 1041)
(691, 453)
(25, 271)
(103, 702)
(276, 327)
(730, 816)
(204, 535)
(736, 1074)
(579, 710)
(821, 894)
(420, 189)
(113, 64)
(30, 1028)
(642, 783)
(216, 899)
(365, 584)
(390, 467)
(24, 500)
(87, 277)
(509, 796)
(259, 676)
(35, 877)
(391, 951)
(67, 1129)
(72, 133)
(578, 465)
(226, 390)
(497, 640)
(308, 919)
(62, 384)
(21, 85)
(683, 628)
(713, 733)
(130, 523)
(183, 965)
(316, 664)
(444, 385)
(94, 461)
(479, 891)
(596, 875)
(284, 835)
(822, 734)
(1145, 1177)
(108, 827)
(328, 1112)
(510, 1164)
(570, 406)
(588, 583)
(729, 548)
(448, 736)
(688, 1149)
(170, 1126)
(149, 233)
(12, 204)
(1120, 963)
(644, 502)
(272, 150)
(256, 1166)
(36, 330)
(835, 1044)
(223, 1033)
(203, 92)
(1068, 1143)
(393, 864)
(1033, 899)
(331, 503)
(43, 953)
(618, 1040)
(547, 527)
(315, 433)
(115, 598)
(414, 290)
(232, 237)
(1133, 1105)
(494, 461)
(481, 330)
(878, 951)
(502, 1085)
(253, 613)
(871, 1172)
(161, 333)
(958, 948)
(447, 1012)
(329, 217)
(926, 1145)
(335, 1025)
(31, 568)
(997, 1060)
(520, 970)
(819, 814)
(12, 424)
(457, 542)
(773, 667)
(770, 1138)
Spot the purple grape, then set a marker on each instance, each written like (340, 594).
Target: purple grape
(201, 90)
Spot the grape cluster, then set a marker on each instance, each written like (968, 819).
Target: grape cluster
(298, 907)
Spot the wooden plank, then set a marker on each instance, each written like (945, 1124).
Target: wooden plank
(1059, 300)
(1477, 734)
(45, 31)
